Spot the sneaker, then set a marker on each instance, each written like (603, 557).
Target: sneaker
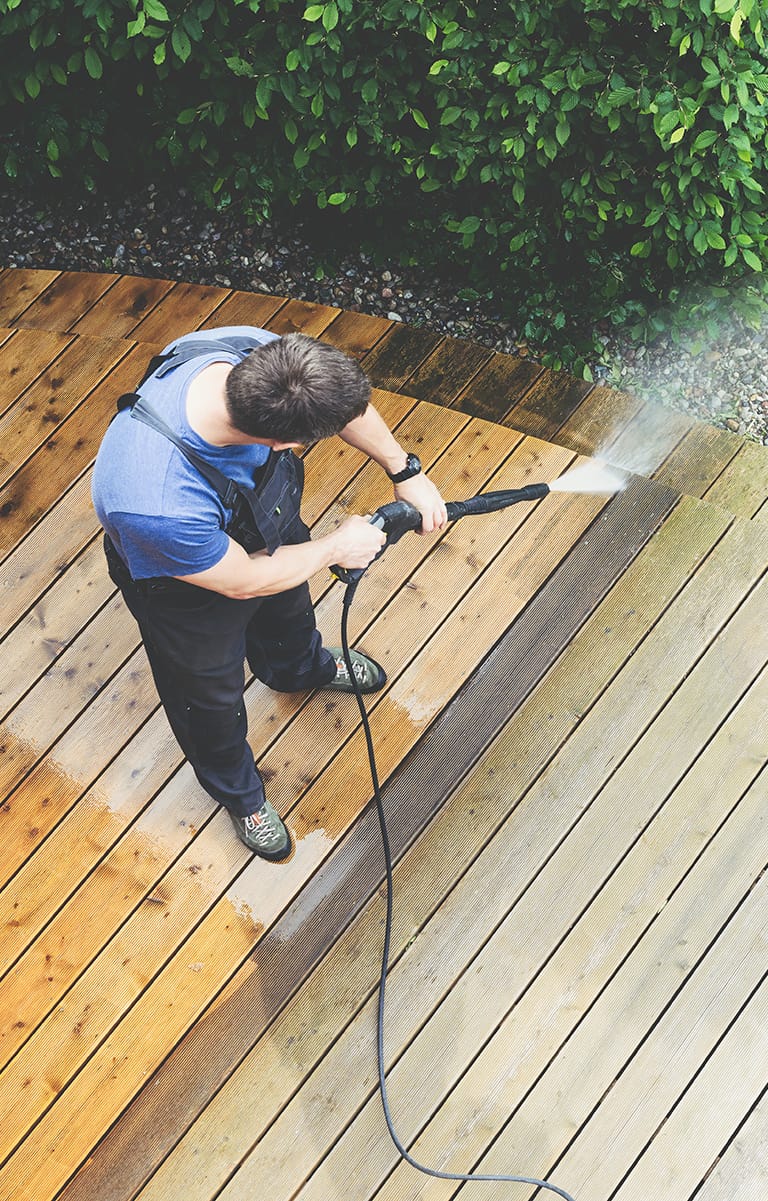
(264, 832)
(369, 675)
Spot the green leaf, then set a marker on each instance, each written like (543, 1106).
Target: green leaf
(723, 6)
(52, 150)
(291, 131)
(186, 116)
(181, 44)
(314, 12)
(715, 240)
(337, 197)
(352, 135)
(469, 225)
(330, 20)
(156, 10)
(705, 139)
(437, 66)
(677, 136)
(419, 118)
(500, 68)
(752, 260)
(93, 63)
(300, 157)
(369, 90)
(135, 27)
(449, 115)
(160, 52)
(292, 60)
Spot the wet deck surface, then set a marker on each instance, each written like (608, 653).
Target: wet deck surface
(573, 741)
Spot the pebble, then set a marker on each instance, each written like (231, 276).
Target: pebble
(722, 381)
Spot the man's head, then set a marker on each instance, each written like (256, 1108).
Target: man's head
(295, 389)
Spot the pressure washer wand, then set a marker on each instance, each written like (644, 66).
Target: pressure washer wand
(400, 518)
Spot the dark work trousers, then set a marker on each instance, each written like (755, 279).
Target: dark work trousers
(197, 641)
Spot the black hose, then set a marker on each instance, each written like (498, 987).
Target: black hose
(348, 595)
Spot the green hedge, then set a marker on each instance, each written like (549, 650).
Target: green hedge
(572, 156)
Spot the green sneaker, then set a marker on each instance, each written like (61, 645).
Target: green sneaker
(369, 674)
(264, 832)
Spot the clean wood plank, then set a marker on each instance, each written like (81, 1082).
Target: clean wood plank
(297, 756)
(398, 355)
(19, 288)
(741, 1170)
(34, 489)
(233, 1025)
(118, 311)
(40, 413)
(64, 692)
(699, 459)
(184, 308)
(24, 355)
(743, 486)
(262, 906)
(65, 300)
(82, 752)
(498, 387)
(52, 624)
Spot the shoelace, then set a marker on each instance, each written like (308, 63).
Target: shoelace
(259, 828)
(358, 668)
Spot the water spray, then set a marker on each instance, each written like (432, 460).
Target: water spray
(395, 520)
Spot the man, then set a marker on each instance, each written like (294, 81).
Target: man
(198, 491)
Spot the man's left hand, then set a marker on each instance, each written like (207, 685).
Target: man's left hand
(420, 492)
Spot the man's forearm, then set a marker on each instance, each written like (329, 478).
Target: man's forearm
(371, 434)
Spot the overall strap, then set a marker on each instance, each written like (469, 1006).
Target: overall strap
(226, 489)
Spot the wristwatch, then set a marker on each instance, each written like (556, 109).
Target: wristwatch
(412, 468)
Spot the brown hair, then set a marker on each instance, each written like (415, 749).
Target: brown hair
(295, 389)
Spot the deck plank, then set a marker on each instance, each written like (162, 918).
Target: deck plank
(60, 459)
(25, 354)
(19, 288)
(476, 1003)
(741, 1170)
(498, 387)
(263, 906)
(65, 300)
(184, 308)
(700, 458)
(613, 946)
(448, 370)
(117, 313)
(742, 487)
(46, 405)
(427, 768)
(398, 354)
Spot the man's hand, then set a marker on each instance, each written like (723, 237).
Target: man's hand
(424, 496)
(356, 542)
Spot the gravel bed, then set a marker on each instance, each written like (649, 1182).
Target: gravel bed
(726, 383)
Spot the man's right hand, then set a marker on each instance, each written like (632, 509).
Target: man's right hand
(356, 543)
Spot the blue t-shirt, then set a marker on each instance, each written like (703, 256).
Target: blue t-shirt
(163, 517)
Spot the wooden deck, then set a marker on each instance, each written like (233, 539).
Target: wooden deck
(573, 741)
